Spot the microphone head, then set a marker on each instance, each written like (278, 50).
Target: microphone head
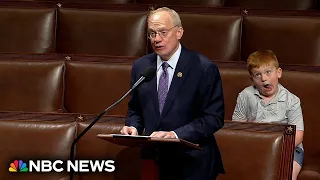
(149, 73)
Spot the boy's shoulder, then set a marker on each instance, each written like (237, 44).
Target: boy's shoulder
(248, 91)
(286, 95)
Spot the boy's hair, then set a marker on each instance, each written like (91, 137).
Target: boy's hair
(174, 15)
(262, 58)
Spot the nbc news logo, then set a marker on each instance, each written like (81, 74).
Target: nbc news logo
(59, 166)
(18, 166)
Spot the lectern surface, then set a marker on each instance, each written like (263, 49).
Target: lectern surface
(146, 141)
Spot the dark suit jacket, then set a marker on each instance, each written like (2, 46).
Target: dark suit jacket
(194, 110)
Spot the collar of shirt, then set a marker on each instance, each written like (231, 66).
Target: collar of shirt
(172, 61)
(280, 94)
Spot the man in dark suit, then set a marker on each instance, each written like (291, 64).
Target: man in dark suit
(184, 100)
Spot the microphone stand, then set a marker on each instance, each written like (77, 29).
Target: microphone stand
(97, 119)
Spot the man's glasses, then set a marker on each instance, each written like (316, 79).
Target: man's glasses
(162, 34)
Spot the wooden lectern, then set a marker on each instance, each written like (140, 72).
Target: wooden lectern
(149, 167)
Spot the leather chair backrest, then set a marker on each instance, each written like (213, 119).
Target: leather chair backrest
(233, 82)
(27, 30)
(256, 150)
(294, 40)
(94, 1)
(98, 32)
(249, 155)
(306, 86)
(216, 36)
(273, 4)
(214, 3)
(35, 86)
(34, 140)
(90, 87)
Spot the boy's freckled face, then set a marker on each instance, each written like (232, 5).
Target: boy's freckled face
(265, 79)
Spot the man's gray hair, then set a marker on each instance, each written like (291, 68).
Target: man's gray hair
(174, 15)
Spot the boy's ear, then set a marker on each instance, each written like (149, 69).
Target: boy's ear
(250, 76)
(279, 73)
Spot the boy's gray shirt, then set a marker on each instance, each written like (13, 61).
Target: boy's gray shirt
(284, 108)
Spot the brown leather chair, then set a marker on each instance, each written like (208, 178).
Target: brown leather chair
(93, 1)
(49, 136)
(233, 82)
(253, 151)
(273, 4)
(293, 39)
(213, 3)
(35, 86)
(101, 32)
(93, 86)
(27, 30)
(34, 139)
(306, 86)
(216, 36)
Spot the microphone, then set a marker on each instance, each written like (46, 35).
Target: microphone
(146, 76)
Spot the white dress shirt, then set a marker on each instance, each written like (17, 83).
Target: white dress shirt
(172, 66)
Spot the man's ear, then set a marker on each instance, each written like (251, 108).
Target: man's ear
(279, 73)
(179, 33)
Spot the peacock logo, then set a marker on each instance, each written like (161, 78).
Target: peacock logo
(18, 166)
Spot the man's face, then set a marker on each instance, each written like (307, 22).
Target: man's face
(166, 35)
(265, 79)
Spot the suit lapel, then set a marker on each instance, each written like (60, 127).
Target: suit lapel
(153, 87)
(179, 75)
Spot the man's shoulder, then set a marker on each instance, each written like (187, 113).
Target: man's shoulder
(200, 60)
(203, 59)
(196, 56)
(145, 59)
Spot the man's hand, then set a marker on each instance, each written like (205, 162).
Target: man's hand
(129, 130)
(163, 134)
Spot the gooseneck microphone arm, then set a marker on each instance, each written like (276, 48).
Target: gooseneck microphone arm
(147, 75)
(90, 125)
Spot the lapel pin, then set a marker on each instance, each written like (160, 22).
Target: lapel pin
(179, 74)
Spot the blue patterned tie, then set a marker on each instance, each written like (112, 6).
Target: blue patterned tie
(163, 86)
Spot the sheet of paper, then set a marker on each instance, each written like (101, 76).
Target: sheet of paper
(129, 136)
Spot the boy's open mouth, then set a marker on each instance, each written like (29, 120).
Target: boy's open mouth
(267, 86)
